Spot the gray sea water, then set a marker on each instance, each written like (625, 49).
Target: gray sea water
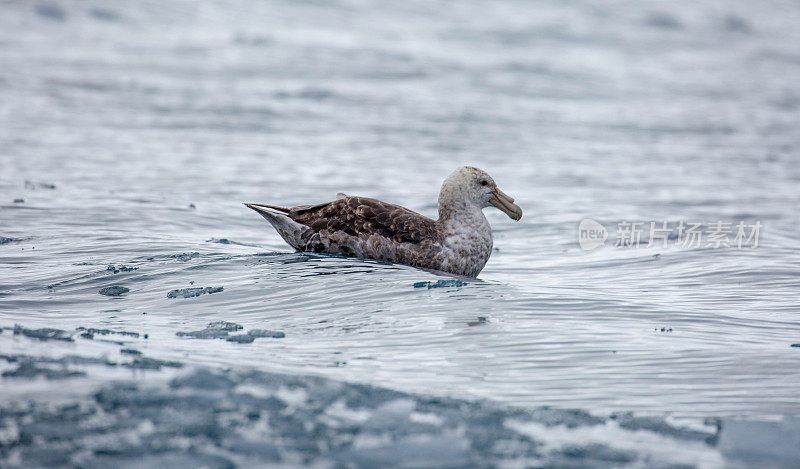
(131, 132)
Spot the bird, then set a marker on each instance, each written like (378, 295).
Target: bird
(459, 242)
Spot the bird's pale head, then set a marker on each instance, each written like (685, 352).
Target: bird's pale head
(475, 187)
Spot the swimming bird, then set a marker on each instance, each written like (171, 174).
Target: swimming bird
(459, 242)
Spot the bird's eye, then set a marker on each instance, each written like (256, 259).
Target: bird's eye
(484, 182)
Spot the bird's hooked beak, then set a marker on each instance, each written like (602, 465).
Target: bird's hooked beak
(506, 204)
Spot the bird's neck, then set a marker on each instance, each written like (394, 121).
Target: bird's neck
(452, 204)
(459, 217)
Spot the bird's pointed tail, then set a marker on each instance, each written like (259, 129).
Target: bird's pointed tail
(259, 207)
(290, 230)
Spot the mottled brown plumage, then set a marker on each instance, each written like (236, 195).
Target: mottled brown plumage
(459, 242)
(362, 216)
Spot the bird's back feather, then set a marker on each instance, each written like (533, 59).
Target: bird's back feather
(365, 217)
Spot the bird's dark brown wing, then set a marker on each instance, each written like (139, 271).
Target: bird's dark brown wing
(362, 216)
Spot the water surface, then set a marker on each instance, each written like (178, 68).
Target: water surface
(134, 131)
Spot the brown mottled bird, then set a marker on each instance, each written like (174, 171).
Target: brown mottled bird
(459, 242)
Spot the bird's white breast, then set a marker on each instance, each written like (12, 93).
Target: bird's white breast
(468, 242)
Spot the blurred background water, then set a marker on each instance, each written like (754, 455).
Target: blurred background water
(131, 132)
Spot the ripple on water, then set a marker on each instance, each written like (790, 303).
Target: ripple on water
(137, 166)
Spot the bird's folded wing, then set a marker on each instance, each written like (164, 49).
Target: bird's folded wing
(362, 216)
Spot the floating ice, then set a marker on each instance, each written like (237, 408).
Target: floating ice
(440, 284)
(221, 330)
(192, 292)
(44, 333)
(114, 290)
